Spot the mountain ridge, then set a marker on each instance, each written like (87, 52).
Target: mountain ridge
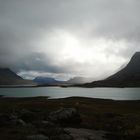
(129, 76)
(40, 80)
(52, 81)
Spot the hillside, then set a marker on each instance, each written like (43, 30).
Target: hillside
(8, 77)
(127, 77)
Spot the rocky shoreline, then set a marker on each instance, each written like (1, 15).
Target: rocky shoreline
(73, 118)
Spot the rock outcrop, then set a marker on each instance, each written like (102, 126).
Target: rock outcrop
(65, 116)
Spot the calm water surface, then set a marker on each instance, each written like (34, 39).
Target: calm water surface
(57, 92)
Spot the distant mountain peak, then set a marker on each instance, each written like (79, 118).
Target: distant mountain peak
(45, 80)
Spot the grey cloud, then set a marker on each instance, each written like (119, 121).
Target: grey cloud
(37, 62)
(23, 24)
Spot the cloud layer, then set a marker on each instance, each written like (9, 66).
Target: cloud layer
(65, 38)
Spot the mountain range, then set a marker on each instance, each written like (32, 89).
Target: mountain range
(52, 81)
(129, 76)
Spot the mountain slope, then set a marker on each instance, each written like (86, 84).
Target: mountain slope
(127, 77)
(8, 77)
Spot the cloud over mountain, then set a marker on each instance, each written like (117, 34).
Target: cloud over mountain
(64, 38)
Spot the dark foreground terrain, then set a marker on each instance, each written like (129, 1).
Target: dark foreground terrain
(74, 118)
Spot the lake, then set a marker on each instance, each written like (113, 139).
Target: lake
(58, 92)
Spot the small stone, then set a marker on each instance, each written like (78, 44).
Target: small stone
(47, 124)
(21, 122)
(37, 137)
(44, 124)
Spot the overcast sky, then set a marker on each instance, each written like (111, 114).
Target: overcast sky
(65, 38)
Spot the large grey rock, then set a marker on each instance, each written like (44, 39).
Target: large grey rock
(65, 137)
(65, 116)
(86, 134)
(37, 137)
(44, 124)
(6, 120)
(27, 115)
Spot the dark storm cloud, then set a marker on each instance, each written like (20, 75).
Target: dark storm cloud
(37, 61)
(24, 24)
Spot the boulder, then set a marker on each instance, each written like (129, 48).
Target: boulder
(37, 137)
(65, 116)
(19, 122)
(86, 134)
(44, 124)
(27, 115)
(6, 120)
(65, 137)
(62, 137)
